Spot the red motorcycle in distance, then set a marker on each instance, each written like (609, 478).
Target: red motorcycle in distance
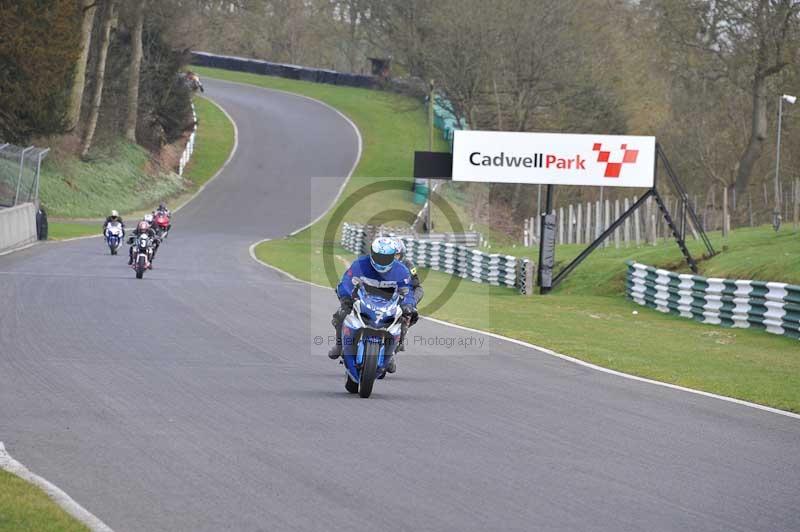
(161, 224)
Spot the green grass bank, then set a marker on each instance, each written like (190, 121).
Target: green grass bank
(75, 189)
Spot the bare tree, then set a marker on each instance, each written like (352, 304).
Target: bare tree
(747, 42)
(108, 16)
(135, 66)
(89, 7)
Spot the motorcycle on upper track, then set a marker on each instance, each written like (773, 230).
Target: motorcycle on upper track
(113, 235)
(161, 224)
(370, 335)
(142, 254)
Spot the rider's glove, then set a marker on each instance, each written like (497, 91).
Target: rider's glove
(346, 303)
(411, 312)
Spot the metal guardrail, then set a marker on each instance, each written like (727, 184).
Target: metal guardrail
(20, 168)
(773, 307)
(268, 68)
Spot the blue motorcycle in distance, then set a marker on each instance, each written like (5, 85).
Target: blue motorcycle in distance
(114, 235)
(370, 335)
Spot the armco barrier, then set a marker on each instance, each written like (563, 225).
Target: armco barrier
(17, 226)
(256, 66)
(774, 307)
(463, 261)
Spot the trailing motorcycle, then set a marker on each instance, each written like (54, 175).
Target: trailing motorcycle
(142, 254)
(114, 235)
(370, 335)
(161, 224)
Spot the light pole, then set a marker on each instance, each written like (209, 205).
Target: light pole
(776, 215)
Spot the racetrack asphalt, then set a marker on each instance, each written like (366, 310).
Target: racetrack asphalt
(196, 398)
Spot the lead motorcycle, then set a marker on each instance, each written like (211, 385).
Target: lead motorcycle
(142, 254)
(114, 235)
(370, 335)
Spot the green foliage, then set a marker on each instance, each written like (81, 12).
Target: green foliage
(38, 50)
(25, 507)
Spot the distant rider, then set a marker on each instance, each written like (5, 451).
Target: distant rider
(156, 241)
(380, 267)
(416, 287)
(141, 227)
(114, 218)
(162, 209)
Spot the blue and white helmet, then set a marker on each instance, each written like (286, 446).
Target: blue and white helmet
(382, 253)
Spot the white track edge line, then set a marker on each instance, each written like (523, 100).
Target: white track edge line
(522, 343)
(550, 352)
(19, 248)
(55, 493)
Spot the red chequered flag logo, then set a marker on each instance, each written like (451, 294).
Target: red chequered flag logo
(614, 159)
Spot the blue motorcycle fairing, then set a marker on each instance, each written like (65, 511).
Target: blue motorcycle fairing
(375, 319)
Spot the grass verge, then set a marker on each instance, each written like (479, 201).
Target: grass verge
(25, 507)
(587, 317)
(213, 145)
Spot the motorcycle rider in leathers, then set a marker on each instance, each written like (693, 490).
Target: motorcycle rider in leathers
(141, 227)
(381, 267)
(416, 287)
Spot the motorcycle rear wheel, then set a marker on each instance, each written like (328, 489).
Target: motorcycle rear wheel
(369, 369)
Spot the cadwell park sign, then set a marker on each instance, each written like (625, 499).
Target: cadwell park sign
(554, 159)
(567, 159)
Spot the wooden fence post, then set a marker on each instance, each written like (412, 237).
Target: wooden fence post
(579, 225)
(637, 229)
(570, 218)
(588, 235)
(618, 230)
(561, 225)
(725, 219)
(627, 229)
(607, 220)
(598, 219)
(654, 216)
(796, 203)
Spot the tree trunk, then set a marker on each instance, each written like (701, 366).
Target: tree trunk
(79, 78)
(758, 132)
(99, 75)
(133, 78)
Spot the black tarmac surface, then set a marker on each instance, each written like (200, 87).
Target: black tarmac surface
(197, 398)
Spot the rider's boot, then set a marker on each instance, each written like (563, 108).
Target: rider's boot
(392, 366)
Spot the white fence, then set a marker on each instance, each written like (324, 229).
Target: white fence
(581, 223)
(189, 149)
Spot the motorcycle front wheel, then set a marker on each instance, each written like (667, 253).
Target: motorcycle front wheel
(369, 369)
(350, 385)
(140, 267)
